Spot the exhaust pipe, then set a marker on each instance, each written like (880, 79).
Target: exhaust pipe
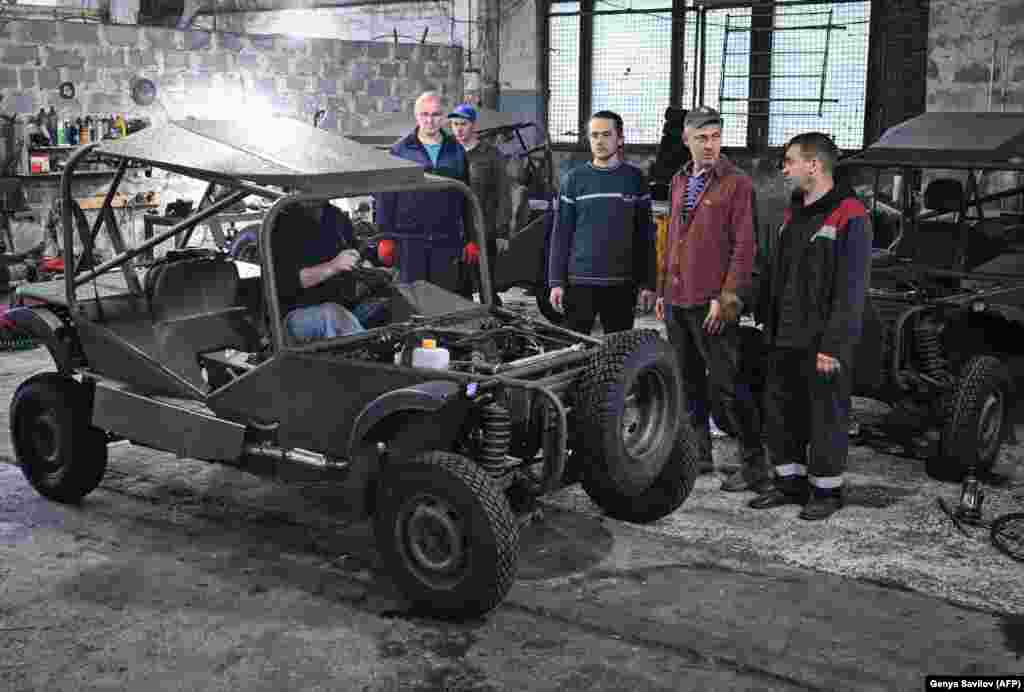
(290, 463)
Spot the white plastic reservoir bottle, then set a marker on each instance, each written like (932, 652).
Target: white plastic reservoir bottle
(429, 355)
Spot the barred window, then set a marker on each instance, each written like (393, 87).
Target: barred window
(727, 71)
(820, 72)
(564, 72)
(813, 78)
(631, 65)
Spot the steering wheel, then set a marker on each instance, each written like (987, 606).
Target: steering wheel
(375, 276)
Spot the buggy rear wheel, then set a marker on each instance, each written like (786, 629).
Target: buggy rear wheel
(977, 420)
(628, 417)
(446, 534)
(61, 455)
(668, 492)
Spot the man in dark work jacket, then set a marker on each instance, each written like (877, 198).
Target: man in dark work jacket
(811, 302)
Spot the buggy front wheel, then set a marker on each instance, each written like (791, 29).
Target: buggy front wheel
(446, 534)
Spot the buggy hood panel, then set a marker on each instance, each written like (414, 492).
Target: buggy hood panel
(950, 140)
(274, 151)
(388, 130)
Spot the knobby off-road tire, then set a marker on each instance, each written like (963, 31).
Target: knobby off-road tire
(62, 456)
(637, 453)
(446, 534)
(976, 422)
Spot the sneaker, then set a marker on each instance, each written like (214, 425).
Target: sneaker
(821, 505)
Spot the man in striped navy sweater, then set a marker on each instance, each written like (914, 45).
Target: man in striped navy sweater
(602, 250)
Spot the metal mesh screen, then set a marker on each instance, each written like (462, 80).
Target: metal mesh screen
(632, 65)
(819, 67)
(727, 71)
(564, 73)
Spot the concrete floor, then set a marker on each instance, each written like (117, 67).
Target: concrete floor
(180, 575)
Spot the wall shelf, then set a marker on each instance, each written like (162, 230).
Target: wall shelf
(109, 171)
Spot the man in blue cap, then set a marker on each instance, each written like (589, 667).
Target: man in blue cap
(428, 225)
(487, 173)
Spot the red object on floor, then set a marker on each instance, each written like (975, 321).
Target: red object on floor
(53, 264)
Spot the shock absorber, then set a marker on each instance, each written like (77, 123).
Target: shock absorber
(496, 428)
(929, 349)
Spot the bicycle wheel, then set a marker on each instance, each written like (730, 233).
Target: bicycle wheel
(1008, 535)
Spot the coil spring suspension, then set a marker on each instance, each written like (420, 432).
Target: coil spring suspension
(496, 428)
(929, 349)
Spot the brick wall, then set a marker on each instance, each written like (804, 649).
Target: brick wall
(210, 74)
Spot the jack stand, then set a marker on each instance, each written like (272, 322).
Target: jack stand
(971, 498)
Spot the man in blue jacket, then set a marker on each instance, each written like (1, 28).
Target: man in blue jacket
(603, 250)
(428, 225)
(811, 302)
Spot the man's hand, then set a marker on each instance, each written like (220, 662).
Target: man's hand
(659, 310)
(502, 245)
(827, 365)
(714, 323)
(557, 293)
(646, 299)
(346, 260)
(471, 253)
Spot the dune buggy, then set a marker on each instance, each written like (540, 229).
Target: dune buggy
(187, 353)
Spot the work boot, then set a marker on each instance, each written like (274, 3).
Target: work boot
(822, 504)
(790, 490)
(756, 476)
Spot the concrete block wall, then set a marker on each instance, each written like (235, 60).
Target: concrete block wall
(210, 74)
(977, 70)
(962, 75)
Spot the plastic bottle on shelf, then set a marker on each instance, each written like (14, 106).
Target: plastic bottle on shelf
(83, 131)
(122, 125)
(52, 123)
(62, 133)
(429, 355)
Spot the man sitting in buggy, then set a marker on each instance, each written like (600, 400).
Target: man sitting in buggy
(322, 296)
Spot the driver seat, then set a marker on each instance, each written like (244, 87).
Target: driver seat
(937, 243)
(194, 306)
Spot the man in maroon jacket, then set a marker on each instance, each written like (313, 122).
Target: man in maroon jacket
(707, 266)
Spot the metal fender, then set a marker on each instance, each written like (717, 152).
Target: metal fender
(44, 326)
(428, 397)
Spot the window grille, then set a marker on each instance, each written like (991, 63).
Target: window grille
(632, 65)
(727, 71)
(564, 73)
(820, 71)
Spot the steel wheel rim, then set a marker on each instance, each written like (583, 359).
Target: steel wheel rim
(41, 432)
(990, 425)
(644, 414)
(432, 540)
